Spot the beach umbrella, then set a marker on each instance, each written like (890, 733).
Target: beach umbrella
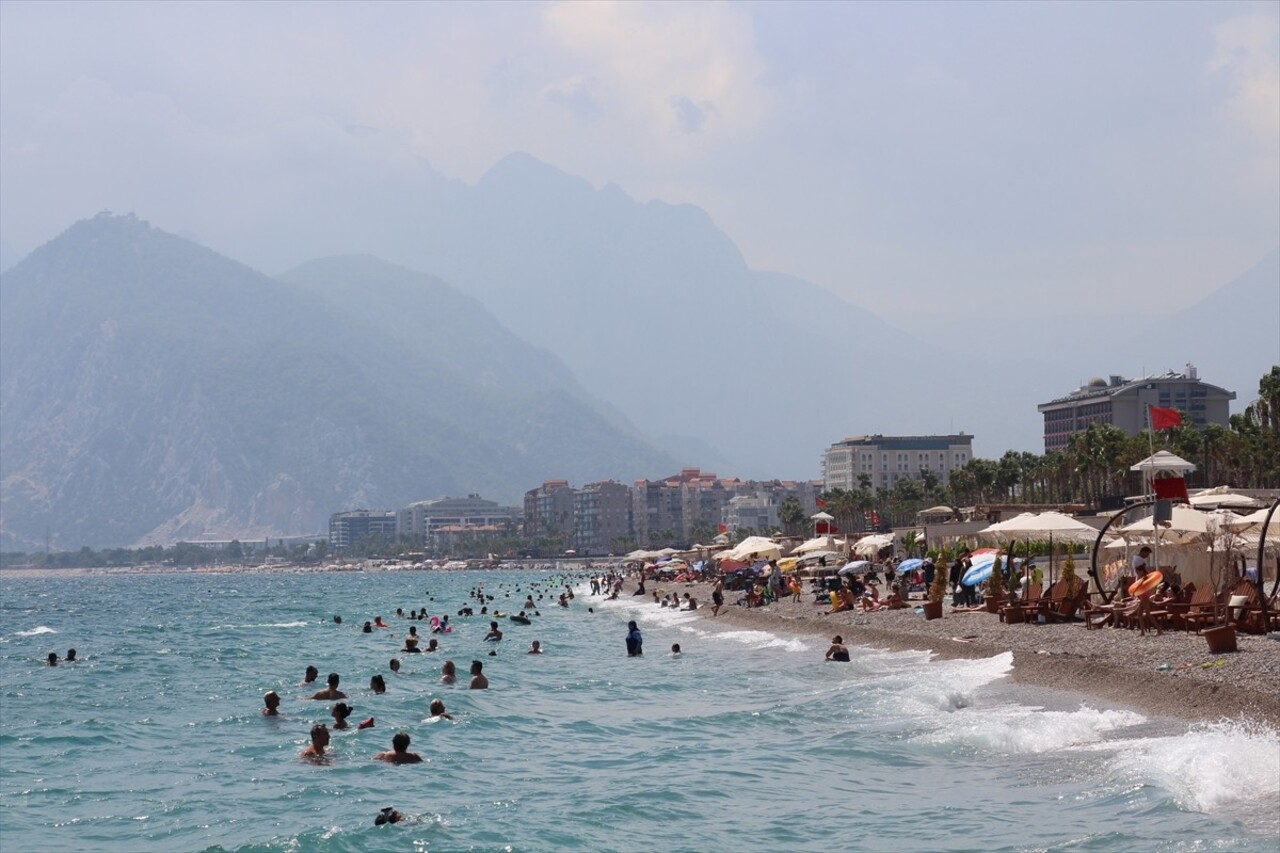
(1186, 526)
(815, 556)
(867, 546)
(1053, 525)
(818, 543)
(910, 565)
(1252, 523)
(1222, 496)
(854, 567)
(981, 569)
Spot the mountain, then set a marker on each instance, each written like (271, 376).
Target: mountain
(653, 308)
(151, 389)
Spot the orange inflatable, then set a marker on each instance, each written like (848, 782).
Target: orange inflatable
(1146, 584)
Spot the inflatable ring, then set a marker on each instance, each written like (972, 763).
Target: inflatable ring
(1145, 585)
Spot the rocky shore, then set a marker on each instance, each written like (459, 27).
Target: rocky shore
(1171, 674)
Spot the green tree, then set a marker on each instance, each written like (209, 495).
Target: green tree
(792, 516)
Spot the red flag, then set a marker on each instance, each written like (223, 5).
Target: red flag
(1164, 418)
(820, 502)
(724, 529)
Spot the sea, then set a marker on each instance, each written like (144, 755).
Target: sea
(747, 740)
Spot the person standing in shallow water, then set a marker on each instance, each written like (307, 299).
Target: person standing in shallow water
(635, 642)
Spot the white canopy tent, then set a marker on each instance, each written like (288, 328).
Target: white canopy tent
(821, 543)
(867, 546)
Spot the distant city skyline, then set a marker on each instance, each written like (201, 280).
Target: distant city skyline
(904, 156)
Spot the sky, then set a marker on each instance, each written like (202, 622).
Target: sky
(923, 160)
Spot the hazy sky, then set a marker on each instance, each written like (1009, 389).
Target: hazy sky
(920, 159)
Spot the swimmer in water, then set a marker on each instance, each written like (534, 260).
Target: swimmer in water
(478, 680)
(635, 642)
(411, 646)
(448, 673)
(433, 645)
(319, 740)
(387, 815)
(340, 712)
(494, 634)
(368, 628)
(332, 691)
(271, 700)
(838, 651)
(378, 623)
(311, 675)
(399, 753)
(536, 648)
(71, 656)
(675, 650)
(52, 659)
(528, 603)
(437, 709)
(377, 684)
(394, 666)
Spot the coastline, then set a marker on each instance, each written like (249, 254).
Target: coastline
(1119, 667)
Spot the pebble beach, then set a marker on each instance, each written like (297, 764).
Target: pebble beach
(1171, 674)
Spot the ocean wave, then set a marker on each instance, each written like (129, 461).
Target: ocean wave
(35, 632)
(1210, 767)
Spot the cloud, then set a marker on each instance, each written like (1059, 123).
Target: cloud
(690, 116)
(667, 67)
(1247, 60)
(575, 94)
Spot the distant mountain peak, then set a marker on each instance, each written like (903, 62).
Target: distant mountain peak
(522, 172)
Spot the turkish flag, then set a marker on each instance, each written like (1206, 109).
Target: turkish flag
(820, 502)
(1164, 418)
(724, 529)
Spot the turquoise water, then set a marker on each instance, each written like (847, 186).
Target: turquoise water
(748, 741)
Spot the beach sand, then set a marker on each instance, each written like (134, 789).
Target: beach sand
(1120, 667)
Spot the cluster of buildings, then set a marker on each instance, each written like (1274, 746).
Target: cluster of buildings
(609, 517)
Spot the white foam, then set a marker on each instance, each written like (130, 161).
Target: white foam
(35, 632)
(1210, 768)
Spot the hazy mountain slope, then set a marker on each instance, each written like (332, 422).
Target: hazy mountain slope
(653, 308)
(150, 388)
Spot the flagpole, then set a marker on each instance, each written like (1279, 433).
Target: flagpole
(1151, 445)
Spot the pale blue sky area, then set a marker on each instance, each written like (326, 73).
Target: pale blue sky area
(920, 159)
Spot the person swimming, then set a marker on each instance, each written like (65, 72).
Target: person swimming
(71, 656)
(311, 675)
(433, 645)
(377, 684)
(319, 740)
(675, 650)
(478, 679)
(368, 628)
(394, 666)
(437, 709)
(340, 712)
(399, 753)
(387, 815)
(536, 648)
(271, 701)
(52, 659)
(494, 634)
(332, 691)
(448, 673)
(838, 651)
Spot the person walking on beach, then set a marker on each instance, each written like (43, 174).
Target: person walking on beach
(399, 753)
(635, 642)
(717, 597)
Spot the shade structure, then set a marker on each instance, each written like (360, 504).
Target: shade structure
(1252, 523)
(910, 565)
(1057, 526)
(980, 570)
(759, 546)
(1163, 460)
(1222, 496)
(820, 543)
(854, 566)
(822, 516)
(867, 546)
(816, 556)
(1186, 525)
